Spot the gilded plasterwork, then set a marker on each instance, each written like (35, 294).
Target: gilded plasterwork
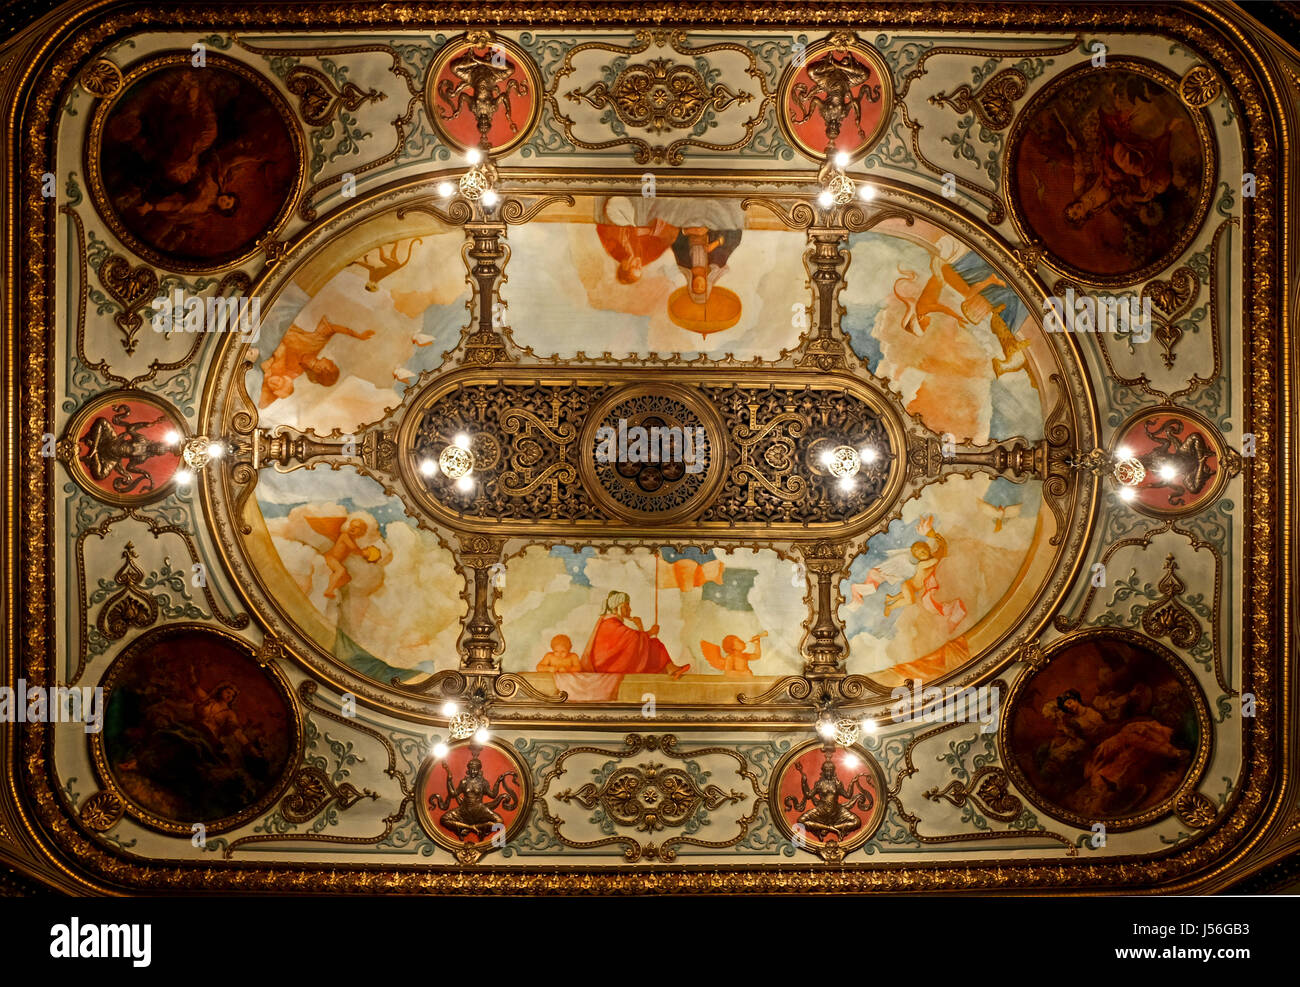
(358, 413)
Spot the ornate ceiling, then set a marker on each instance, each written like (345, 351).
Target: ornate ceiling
(675, 448)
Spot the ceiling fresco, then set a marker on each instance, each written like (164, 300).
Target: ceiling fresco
(547, 452)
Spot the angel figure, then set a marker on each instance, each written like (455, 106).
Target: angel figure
(732, 658)
(914, 569)
(345, 544)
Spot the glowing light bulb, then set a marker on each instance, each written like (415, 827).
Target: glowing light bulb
(827, 457)
(846, 483)
(440, 751)
(445, 189)
(461, 441)
(870, 726)
(465, 483)
(841, 159)
(867, 192)
(826, 198)
(172, 437)
(490, 198)
(827, 729)
(1127, 493)
(482, 736)
(473, 155)
(1167, 472)
(216, 450)
(851, 761)
(450, 709)
(428, 467)
(1123, 452)
(868, 454)
(184, 477)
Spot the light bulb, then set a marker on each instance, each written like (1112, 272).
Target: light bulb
(461, 441)
(172, 437)
(867, 192)
(428, 467)
(490, 198)
(473, 155)
(841, 159)
(1127, 493)
(827, 457)
(450, 709)
(846, 483)
(465, 483)
(851, 761)
(1167, 472)
(216, 450)
(1123, 452)
(827, 729)
(440, 751)
(826, 198)
(868, 454)
(482, 736)
(870, 726)
(445, 189)
(184, 477)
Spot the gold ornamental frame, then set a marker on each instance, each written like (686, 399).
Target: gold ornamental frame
(1220, 480)
(842, 848)
(843, 40)
(279, 682)
(1122, 823)
(77, 423)
(1209, 859)
(1209, 187)
(471, 851)
(466, 42)
(99, 195)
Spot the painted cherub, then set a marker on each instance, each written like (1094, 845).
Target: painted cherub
(561, 657)
(914, 570)
(732, 658)
(345, 544)
(299, 353)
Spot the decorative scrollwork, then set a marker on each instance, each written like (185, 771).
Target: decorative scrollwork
(1168, 617)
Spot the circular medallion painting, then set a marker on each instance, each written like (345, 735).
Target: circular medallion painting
(1111, 171)
(190, 167)
(127, 447)
(651, 453)
(473, 799)
(485, 93)
(1180, 455)
(1109, 729)
(837, 96)
(828, 799)
(195, 730)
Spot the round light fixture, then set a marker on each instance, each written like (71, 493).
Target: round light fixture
(456, 462)
(843, 462)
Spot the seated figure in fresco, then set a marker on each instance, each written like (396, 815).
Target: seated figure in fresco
(561, 657)
(732, 658)
(1141, 758)
(299, 353)
(630, 243)
(828, 817)
(702, 255)
(468, 805)
(619, 643)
